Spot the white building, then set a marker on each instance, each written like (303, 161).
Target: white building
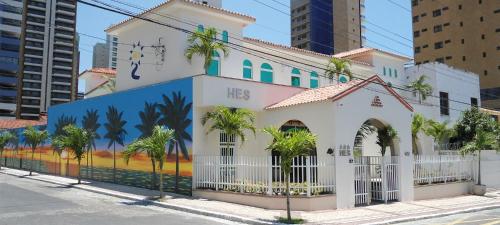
(285, 87)
(97, 81)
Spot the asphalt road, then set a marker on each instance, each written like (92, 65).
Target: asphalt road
(26, 201)
(487, 217)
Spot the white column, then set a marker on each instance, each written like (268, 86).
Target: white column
(406, 191)
(344, 181)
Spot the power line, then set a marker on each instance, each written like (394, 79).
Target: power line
(399, 5)
(190, 32)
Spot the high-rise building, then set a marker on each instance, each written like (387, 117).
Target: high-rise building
(10, 32)
(327, 26)
(112, 46)
(49, 55)
(464, 34)
(100, 56)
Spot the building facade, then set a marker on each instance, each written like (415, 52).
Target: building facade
(49, 55)
(463, 34)
(327, 27)
(112, 51)
(286, 88)
(10, 32)
(100, 56)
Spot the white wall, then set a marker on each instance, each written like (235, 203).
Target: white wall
(490, 168)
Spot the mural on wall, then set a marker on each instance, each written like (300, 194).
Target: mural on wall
(136, 55)
(160, 51)
(118, 119)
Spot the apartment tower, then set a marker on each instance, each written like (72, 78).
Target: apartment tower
(10, 32)
(464, 34)
(49, 56)
(327, 26)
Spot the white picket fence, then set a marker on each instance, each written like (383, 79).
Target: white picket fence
(310, 175)
(430, 169)
(376, 179)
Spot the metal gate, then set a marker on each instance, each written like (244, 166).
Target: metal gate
(376, 179)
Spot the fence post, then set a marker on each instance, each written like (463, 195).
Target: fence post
(217, 172)
(270, 175)
(308, 175)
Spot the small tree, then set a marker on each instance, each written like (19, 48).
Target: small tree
(423, 89)
(34, 138)
(482, 141)
(205, 44)
(337, 67)
(439, 131)
(290, 144)
(418, 125)
(470, 122)
(385, 138)
(76, 139)
(155, 145)
(5, 138)
(230, 121)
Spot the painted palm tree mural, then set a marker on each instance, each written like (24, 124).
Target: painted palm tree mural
(149, 119)
(116, 120)
(115, 132)
(90, 123)
(175, 113)
(61, 122)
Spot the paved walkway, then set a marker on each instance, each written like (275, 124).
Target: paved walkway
(375, 214)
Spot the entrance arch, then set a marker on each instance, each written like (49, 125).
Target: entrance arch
(366, 139)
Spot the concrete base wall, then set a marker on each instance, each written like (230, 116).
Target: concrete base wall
(435, 191)
(272, 202)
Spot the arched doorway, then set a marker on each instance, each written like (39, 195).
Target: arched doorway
(375, 170)
(375, 138)
(300, 164)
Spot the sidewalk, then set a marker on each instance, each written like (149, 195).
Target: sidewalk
(375, 214)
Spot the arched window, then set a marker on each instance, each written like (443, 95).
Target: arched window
(390, 72)
(395, 73)
(314, 80)
(266, 73)
(214, 67)
(295, 77)
(201, 28)
(384, 71)
(247, 69)
(343, 78)
(225, 37)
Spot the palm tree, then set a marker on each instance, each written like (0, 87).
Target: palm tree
(290, 144)
(418, 124)
(34, 138)
(439, 131)
(204, 44)
(149, 118)
(175, 115)
(423, 89)
(90, 123)
(337, 67)
(155, 145)
(385, 137)
(61, 122)
(482, 140)
(76, 139)
(115, 132)
(5, 139)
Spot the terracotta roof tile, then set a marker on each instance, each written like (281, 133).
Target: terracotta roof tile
(12, 124)
(108, 72)
(224, 11)
(334, 92)
(365, 50)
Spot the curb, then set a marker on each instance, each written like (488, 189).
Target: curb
(424, 217)
(155, 203)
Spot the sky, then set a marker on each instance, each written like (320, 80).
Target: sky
(388, 25)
